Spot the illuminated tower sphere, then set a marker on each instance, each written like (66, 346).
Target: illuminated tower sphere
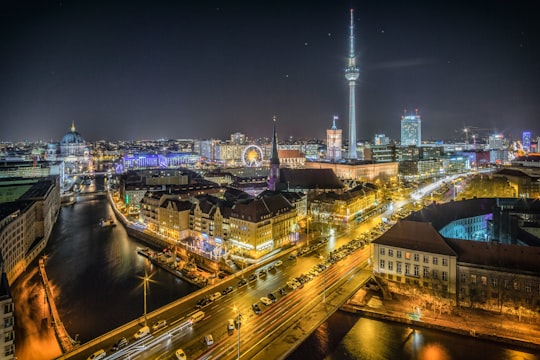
(273, 177)
(333, 142)
(351, 74)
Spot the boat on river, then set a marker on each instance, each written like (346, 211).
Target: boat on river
(107, 222)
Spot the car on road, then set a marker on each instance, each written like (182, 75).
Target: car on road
(291, 285)
(142, 332)
(160, 324)
(252, 277)
(278, 263)
(122, 342)
(271, 267)
(266, 301)
(100, 354)
(272, 297)
(262, 272)
(242, 282)
(230, 324)
(227, 290)
(291, 257)
(282, 291)
(256, 309)
(180, 354)
(215, 296)
(203, 302)
(209, 340)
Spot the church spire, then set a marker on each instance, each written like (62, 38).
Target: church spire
(273, 177)
(73, 126)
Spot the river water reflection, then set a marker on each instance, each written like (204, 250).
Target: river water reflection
(96, 273)
(349, 337)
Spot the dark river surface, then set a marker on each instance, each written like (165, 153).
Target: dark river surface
(96, 274)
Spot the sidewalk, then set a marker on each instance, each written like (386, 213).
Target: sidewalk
(464, 321)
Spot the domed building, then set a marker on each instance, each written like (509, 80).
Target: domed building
(73, 144)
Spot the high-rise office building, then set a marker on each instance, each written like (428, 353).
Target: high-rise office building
(333, 142)
(381, 139)
(351, 74)
(411, 129)
(526, 141)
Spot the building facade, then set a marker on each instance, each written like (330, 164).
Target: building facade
(333, 142)
(411, 130)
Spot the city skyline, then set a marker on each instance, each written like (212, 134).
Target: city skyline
(208, 69)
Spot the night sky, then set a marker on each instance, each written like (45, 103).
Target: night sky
(128, 70)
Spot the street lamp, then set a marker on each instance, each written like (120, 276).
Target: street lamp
(324, 279)
(237, 310)
(145, 280)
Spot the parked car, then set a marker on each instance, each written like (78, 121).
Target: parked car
(160, 324)
(272, 297)
(142, 332)
(215, 296)
(252, 277)
(278, 263)
(180, 354)
(242, 282)
(256, 309)
(266, 301)
(227, 290)
(209, 340)
(100, 354)
(203, 302)
(122, 342)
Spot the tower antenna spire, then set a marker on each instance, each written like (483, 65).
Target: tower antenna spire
(351, 74)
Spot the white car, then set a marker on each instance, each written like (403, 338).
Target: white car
(291, 285)
(266, 301)
(230, 324)
(209, 340)
(160, 324)
(278, 263)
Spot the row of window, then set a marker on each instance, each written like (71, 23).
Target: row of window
(427, 272)
(494, 282)
(415, 256)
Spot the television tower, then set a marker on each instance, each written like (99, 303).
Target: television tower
(351, 74)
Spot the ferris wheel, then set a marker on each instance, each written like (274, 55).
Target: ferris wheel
(252, 156)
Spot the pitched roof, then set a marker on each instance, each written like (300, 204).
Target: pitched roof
(440, 215)
(492, 254)
(309, 179)
(415, 236)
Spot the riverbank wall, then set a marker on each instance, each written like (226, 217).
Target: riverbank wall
(466, 322)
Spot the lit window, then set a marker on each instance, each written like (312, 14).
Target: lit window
(483, 280)
(473, 279)
(408, 255)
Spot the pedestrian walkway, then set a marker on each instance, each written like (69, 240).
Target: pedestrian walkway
(64, 339)
(464, 321)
